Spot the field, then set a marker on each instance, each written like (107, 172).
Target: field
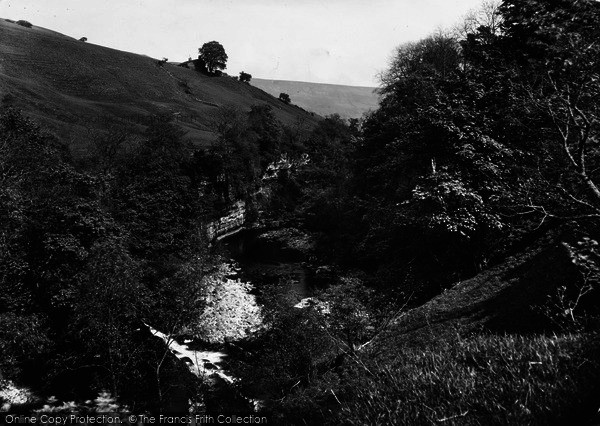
(324, 99)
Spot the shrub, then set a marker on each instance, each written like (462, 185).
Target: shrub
(285, 98)
(245, 77)
(185, 86)
(25, 24)
(289, 364)
(84, 39)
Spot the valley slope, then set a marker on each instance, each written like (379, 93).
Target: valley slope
(76, 88)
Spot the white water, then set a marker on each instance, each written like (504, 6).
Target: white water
(200, 363)
(205, 364)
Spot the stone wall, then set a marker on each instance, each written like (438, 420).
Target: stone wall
(235, 218)
(232, 222)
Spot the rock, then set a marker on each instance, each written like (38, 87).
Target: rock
(232, 221)
(321, 307)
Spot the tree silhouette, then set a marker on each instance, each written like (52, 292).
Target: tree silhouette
(214, 56)
(285, 98)
(245, 77)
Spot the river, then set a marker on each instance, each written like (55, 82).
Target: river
(262, 263)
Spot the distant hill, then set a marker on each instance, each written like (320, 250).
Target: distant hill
(76, 88)
(323, 99)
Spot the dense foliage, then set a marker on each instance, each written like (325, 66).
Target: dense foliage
(484, 141)
(245, 77)
(80, 257)
(94, 250)
(480, 141)
(90, 254)
(24, 23)
(285, 98)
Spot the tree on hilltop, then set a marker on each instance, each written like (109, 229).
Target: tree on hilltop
(214, 56)
(245, 77)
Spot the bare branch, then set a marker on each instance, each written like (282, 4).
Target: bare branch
(579, 201)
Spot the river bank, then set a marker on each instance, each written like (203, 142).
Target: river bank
(263, 258)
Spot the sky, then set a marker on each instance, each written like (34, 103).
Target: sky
(323, 41)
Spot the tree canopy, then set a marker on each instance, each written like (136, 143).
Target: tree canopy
(285, 98)
(484, 148)
(214, 56)
(245, 77)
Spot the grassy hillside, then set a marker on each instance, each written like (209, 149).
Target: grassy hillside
(323, 99)
(474, 355)
(76, 88)
(504, 299)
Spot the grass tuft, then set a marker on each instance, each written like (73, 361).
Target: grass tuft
(482, 380)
